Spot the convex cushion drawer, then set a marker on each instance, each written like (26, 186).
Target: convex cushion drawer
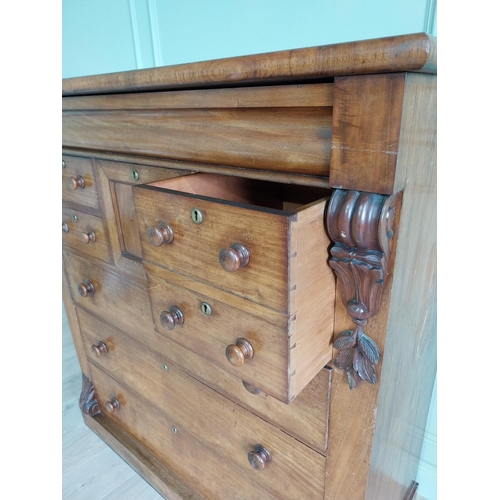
(223, 232)
(183, 406)
(136, 360)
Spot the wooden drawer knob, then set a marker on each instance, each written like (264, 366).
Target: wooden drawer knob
(99, 349)
(237, 353)
(171, 318)
(159, 235)
(65, 227)
(113, 405)
(88, 237)
(86, 289)
(231, 259)
(259, 458)
(76, 182)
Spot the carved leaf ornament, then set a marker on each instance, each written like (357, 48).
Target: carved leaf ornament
(360, 226)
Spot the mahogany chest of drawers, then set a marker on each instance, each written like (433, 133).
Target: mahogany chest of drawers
(249, 268)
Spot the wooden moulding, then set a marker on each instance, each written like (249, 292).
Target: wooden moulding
(361, 227)
(88, 398)
(414, 52)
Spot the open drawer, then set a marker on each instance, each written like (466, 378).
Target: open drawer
(260, 241)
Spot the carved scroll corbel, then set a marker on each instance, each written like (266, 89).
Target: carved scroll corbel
(360, 226)
(88, 399)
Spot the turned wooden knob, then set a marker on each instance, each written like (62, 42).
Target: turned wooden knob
(65, 227)
(113, 405)
(237, 353)
(159, 235)
(99, 349)
(259, 458)
(231, 259)
(87, 237)
(171, 318)
(86, 289)
(76, 182)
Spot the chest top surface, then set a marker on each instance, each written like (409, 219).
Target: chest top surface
(413, 52)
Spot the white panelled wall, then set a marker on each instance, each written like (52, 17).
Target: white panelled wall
(104, 36)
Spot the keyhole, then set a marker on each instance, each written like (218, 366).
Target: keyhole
(197, 216)
(206, 309)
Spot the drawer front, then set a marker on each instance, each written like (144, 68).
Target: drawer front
(211, 324)
(101, 291)
(86, 233)
(131, 360)
(211, 475)
(78, 183)
(226, 429)
(194, 250)
(279, 128)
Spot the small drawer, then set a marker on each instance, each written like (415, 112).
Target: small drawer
(78, 183)
(174, 405)
(124, 302)
(127, 358)
(86, 233)
(251, 238)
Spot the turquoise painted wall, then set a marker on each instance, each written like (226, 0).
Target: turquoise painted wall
(103, 36)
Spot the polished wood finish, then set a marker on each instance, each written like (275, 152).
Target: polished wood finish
(85, 233)
(231, 259)
(414, 52)
(250, 170)
(366, 126)
(361, 225)
(239, 352)
(284, 139)
(100, 348)
(88, 402)
(194, 410)
(306, 418)
(123, 301)
(259, 458)
(78, 173)
(261, 230)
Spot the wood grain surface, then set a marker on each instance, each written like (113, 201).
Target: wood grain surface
(225, 433)
(414, 52)
(366, 125)
(85, 224)
(295, 139)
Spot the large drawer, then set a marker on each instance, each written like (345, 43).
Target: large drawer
(176, 405)
(133, 361)
(78, 183)
(100, 290)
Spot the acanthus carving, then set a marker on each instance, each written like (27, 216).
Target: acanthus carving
(360, 225)
(88, 399)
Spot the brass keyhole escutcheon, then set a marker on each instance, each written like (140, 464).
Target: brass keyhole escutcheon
(206, 309)
(197, 216)
(135, 175)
